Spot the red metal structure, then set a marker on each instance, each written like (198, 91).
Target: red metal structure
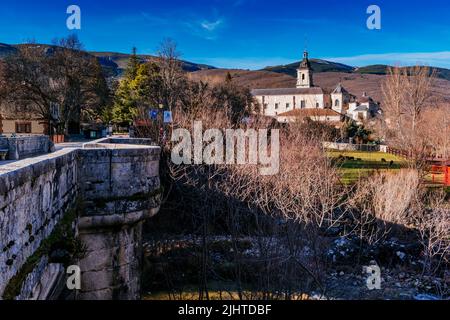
(57, 138)
(441, 170)
(439, 166)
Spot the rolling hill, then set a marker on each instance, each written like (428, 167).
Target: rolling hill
(113, 63)
(319, 66)
(355, 83)
(121, 60)
(326, 74)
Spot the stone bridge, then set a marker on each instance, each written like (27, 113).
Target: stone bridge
(77, 206)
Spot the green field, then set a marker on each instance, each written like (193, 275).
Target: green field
(356, 164)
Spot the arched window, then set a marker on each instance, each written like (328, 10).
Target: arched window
(336, 103)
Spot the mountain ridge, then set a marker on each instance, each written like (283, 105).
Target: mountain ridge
(319, 65)
(114, 63)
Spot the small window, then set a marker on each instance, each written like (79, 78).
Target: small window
(276, 105)
(317, 104)
(303, 104)
(23, 127)
(336, 103)
(288, 105)
(303, 76)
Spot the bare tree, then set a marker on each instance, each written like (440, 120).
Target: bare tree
(57, 83)
(27, 83)
(81, 85)
(407, 93)
(172, 74)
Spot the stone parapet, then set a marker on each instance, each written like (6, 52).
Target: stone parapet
(118, 188)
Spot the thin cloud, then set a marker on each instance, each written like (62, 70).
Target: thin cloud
(250, 63)
(297, 20)
(435, 59)
(202, 28)
(211, 26)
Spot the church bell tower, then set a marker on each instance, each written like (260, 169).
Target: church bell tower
(304, 73)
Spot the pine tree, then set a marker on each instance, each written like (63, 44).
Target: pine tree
(133, 65)
(125, 102)
(141, 87)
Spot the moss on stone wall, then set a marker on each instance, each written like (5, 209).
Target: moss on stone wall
(62, 239)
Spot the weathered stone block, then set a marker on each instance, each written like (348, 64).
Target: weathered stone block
(119, 186)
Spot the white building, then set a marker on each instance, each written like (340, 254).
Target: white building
(363, 109)
(285, 104)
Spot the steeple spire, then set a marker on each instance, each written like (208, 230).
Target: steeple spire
(305, 62)
(304, 73)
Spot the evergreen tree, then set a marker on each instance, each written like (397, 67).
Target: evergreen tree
(125, 102)
(140, 88)
(133, 65)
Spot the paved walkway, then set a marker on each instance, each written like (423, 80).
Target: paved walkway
(58, 147)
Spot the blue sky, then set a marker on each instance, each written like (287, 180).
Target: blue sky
(247, 34)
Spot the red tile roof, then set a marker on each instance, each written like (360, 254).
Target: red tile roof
(311, 112)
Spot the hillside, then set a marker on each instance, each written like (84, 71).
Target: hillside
(381, 69)
(317, 65)
(355, 83)
(245, 78)
(113, 63)
(320, 66)
(326, 74)
(121, 60)
(6, 50)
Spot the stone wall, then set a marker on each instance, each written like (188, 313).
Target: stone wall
(26, 146)
(118, 187)
(120, 190)
(350, 147)
(34, 195)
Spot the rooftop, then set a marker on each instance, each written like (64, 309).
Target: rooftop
(312, 112)
(286, 91)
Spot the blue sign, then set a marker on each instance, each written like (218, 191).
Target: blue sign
(153, 114)
(167, 116)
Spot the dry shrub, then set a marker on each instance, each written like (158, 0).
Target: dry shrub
(433, 223)
(383, 201)
(412, 120)
(389, 203)
(283, 214)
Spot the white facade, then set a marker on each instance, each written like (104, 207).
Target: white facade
(277, 102)
(363, 109)
(273, 104)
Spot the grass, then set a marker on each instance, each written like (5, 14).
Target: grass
(215, 296)
(218, 291)
(356, 164)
